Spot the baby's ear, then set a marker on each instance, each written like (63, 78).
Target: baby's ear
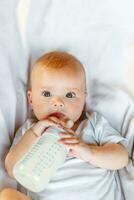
(29, 96)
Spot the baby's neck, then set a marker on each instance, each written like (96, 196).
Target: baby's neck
(77, 123)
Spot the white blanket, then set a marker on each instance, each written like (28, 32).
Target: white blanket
(98, 32)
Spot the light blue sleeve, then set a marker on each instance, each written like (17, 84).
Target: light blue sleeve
(103, 132)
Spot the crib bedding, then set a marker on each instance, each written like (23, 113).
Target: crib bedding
(97, 32)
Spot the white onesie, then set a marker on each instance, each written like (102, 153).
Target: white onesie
(76, 179)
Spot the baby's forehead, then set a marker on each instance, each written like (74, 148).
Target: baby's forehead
(39, 72)
(69, 75)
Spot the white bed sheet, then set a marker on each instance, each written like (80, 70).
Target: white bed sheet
(97, 32)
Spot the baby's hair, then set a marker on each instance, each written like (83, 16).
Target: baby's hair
(57, 60)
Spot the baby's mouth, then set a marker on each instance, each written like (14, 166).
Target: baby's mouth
(58, 115)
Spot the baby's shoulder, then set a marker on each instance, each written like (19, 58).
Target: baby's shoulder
(27, 124)
(95, 118)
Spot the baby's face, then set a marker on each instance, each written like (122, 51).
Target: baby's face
(60, 94)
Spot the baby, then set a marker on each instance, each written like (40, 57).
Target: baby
(57, 93)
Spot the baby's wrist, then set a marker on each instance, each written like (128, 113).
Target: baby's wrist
(34, 133)
(36, 130)
(89, 155)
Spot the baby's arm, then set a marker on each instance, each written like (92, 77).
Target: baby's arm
(11, 194)
(25, 143)
(109, 156)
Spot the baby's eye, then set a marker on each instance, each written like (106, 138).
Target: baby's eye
(70, 95)
(46, 94)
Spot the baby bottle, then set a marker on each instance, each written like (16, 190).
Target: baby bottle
(35, 169)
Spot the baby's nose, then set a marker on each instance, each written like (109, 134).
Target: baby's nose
(57, 103)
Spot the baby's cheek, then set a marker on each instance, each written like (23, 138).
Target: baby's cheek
(39, 113)
(76, 112)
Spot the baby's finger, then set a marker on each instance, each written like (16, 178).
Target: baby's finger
(69, 131)
(69, 140)
(63, 121)
(58, 121)
(49, 123)
(54, 119)
(65, 135)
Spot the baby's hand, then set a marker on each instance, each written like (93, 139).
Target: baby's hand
(62, 123)
(42, 125)
(77, 148)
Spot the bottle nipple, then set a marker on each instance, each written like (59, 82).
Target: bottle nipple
(69, 123)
